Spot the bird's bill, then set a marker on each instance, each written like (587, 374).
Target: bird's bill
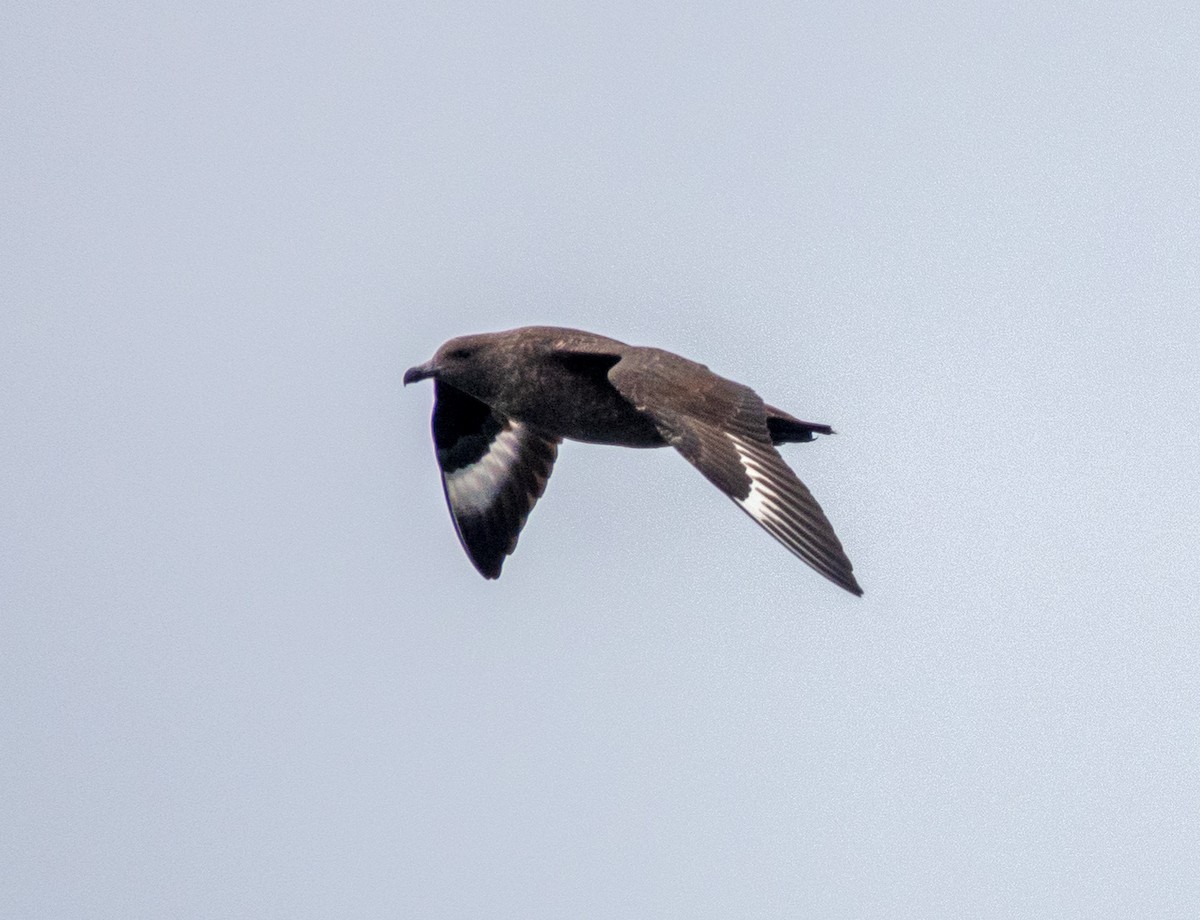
(420, 372)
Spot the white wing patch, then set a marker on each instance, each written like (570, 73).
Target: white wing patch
(785, 508)
(473, 489)
(763, 501)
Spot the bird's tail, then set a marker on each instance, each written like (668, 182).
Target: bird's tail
(785, 428)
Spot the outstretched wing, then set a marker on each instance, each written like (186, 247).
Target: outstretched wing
(721, 427)
(493, 471)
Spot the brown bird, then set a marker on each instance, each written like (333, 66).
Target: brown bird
(506, 400)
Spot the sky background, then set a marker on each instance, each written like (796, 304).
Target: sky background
(247, 671)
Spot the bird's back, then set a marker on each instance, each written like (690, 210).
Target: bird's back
(560, 383)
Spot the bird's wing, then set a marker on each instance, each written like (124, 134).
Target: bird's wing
(493, 471)
(721, 428)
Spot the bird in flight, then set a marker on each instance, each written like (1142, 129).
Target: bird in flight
(504, 401)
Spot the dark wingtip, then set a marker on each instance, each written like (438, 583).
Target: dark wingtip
(488, 568)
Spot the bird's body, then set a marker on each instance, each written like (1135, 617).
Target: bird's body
(594, 412)
(506, 400)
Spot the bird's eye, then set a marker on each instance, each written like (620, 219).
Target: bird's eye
(460, 354)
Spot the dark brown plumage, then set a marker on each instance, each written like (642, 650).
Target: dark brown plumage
(506, 400)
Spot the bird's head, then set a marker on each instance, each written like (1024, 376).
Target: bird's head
(465, 363)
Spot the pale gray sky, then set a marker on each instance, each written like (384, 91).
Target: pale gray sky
(247, 670)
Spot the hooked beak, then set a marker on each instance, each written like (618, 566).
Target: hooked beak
(420, 372)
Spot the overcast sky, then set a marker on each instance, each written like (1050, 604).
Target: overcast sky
(247, 671)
